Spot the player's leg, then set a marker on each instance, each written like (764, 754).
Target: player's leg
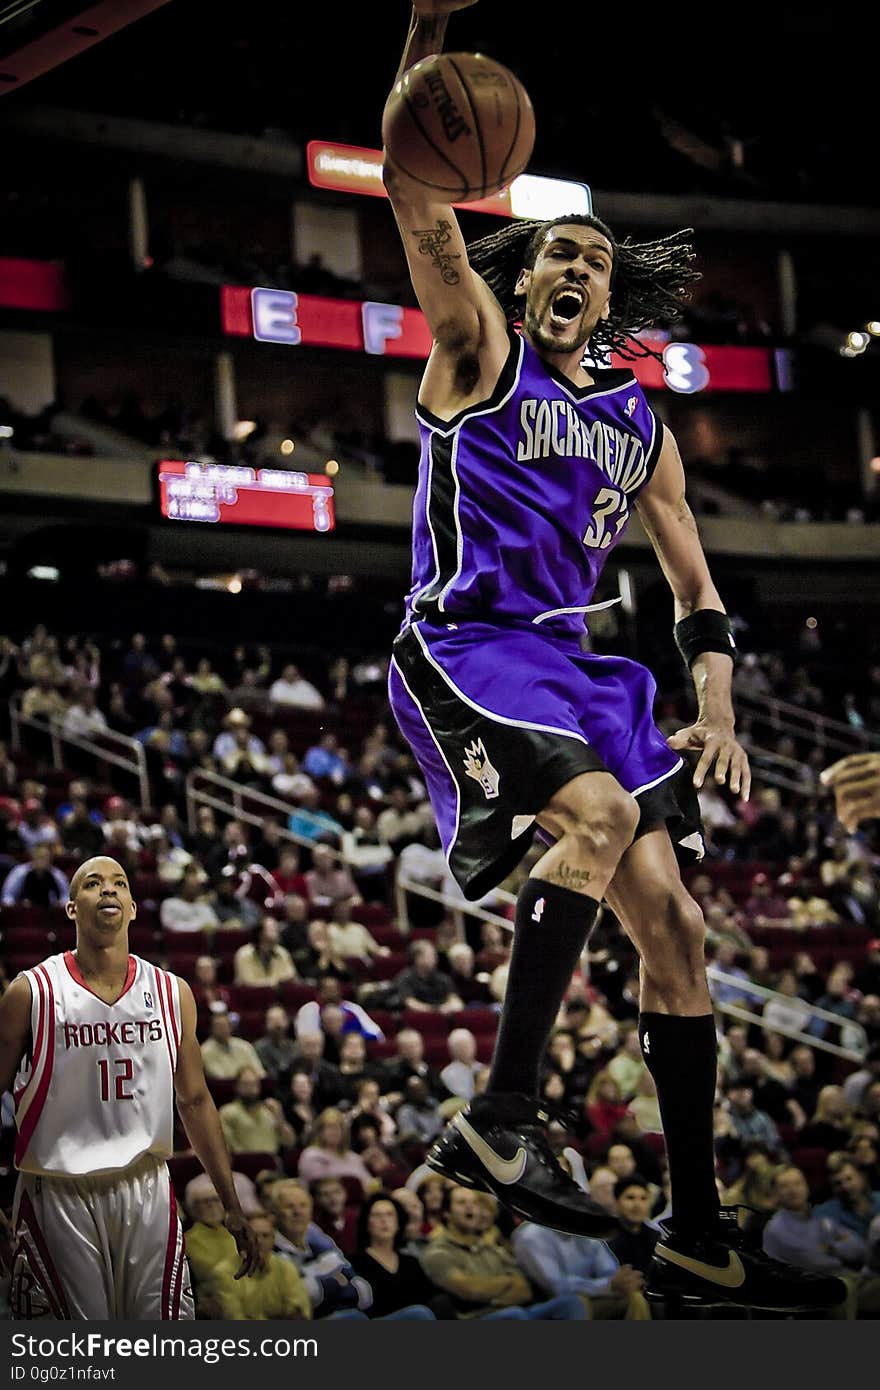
(153, 1281)
(499, 1142)
(703, 1257)
(61, 1267)
(592, 821)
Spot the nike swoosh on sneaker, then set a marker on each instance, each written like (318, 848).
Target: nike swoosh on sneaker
(504, 1170)
(729, 1276)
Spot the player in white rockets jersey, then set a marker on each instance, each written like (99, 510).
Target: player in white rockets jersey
(97, 1043)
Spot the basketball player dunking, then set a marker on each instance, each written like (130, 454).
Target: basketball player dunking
(97, 1042)
(530, 466)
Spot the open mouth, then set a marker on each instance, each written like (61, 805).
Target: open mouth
(566, 306)
(110, 907)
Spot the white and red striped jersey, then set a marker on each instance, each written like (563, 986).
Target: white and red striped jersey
(97, 1091)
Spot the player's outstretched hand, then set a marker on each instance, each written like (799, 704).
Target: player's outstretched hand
(718, 745)
(239, 1228)
(431, 8)
(855, 782)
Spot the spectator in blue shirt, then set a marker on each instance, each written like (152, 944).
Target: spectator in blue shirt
(853, 1205)
(37, 882)
(802, 1236)
(333, 1287)
(324, 759)
(560, 1264)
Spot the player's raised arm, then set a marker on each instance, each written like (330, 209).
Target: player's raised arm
(453, 298)
(702, 629)
(202, 1124)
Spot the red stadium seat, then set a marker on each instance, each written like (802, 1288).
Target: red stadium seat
(179, 963)
(226, 941)
(389, 936)
(436, 1051)
(293, 994)
(251, 1023)
(379, 1051)
(252, 1164)
(371, 914)
(386, 967)
(485, 1046)
(430, 1022)
(477, 1019)
(183, 1168)
(253, 996)
(26, 915)
(222, 1089)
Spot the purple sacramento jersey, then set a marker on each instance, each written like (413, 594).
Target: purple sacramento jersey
(522, 498)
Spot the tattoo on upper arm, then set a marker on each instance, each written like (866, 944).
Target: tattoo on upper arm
(432, 240)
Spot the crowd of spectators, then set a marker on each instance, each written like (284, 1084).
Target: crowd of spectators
(337, 1044)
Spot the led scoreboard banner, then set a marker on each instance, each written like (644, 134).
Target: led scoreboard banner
(394, 330)
(220, 494)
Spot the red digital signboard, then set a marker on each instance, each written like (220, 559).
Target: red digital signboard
(222, 494)
(392, 330)
(26, 284)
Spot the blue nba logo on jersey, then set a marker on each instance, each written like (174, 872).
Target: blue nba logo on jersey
(148, 999)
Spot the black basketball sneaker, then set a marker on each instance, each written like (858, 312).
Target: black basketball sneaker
(499, 1145)
(729, 1267)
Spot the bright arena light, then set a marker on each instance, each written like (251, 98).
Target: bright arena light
(234, 585)
(857, 341)
(874, 328)
(287, 446)
(331, 468)
(543, 198)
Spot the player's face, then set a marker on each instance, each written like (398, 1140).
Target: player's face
(103, 903)
(568, 288)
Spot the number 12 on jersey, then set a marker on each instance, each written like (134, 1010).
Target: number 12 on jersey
(605, 525)
(123, 1071)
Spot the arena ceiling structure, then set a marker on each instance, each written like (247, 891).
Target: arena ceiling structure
(36, 36)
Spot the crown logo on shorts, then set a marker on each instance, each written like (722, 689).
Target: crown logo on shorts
(478, 766)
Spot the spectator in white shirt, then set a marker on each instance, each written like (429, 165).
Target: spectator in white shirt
(83, 716)
(293, 691)
(229, 742)
(188, 911)
(350, 940)
(459, 1076)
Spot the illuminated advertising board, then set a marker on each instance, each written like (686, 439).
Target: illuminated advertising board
(27, 284)
(220, 494)
(393, 330)
(352, 169)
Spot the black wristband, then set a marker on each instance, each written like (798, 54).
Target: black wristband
(704, 631)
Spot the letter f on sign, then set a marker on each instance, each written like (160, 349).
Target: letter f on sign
(380, 322)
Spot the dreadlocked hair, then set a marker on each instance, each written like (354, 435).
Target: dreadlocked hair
(649, 279)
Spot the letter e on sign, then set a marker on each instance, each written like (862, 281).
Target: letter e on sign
(380, 322)
(274, 313)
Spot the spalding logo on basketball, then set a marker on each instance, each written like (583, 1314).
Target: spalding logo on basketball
(460, 123)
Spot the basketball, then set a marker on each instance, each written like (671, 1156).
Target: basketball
(460, 123)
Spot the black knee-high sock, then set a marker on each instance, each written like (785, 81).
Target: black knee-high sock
(552, 924)
(681, 1055)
